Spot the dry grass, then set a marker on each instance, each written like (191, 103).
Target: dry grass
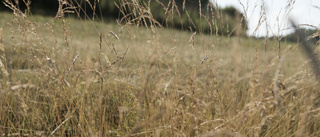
(69, 77)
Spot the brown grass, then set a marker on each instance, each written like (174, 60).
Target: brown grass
(71, 77)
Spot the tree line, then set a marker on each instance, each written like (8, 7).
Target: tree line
(193, 15)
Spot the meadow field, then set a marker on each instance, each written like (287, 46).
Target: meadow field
(68, 76)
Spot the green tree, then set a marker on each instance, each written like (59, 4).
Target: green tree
(309, 34)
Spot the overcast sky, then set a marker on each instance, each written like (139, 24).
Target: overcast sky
(277, 13)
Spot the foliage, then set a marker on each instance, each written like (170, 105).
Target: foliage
(311, 35)
(187, 15)
(179, 14)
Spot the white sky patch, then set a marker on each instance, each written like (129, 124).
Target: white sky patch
(277, 14)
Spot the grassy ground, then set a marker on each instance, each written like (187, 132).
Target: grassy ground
(73, 77)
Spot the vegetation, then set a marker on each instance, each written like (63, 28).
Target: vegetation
(310, 35)
(62, 76)
(178, 14)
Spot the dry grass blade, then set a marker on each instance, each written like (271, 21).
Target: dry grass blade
(2, 67)
(74, 60)
(59, 126)
(115, 35)
(53, 65)
(192, 37)
(276, 84)
(204, 59)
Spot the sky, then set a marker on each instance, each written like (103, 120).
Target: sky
(277, 13)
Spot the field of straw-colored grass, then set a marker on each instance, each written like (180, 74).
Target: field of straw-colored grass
(77, 77)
